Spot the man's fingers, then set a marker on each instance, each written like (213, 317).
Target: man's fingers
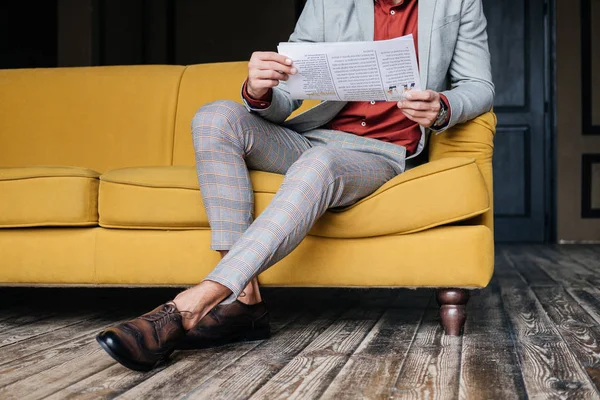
(272, 56)
(419, 106)
(269, 74)
(275, 66)
(421, 95)
(418, 114)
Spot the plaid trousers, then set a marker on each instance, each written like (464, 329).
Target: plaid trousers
(323, 169)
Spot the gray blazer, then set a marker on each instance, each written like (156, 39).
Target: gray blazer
(453, 54)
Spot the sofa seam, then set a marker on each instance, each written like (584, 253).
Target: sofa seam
(170, 187)
(462, 217)
(48, 177)
(154, 228)
(85, 224)
(176, 114)
(129, 183)
(149, 185)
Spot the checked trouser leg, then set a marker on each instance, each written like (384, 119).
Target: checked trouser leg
(319, 174)
(229, 141)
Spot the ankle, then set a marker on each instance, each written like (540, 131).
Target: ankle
(196, 302)
(251, 294)
(249, 299)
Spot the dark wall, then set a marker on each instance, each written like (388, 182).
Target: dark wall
(28, 33)
(191, 31)
(210, 31)
(46, 33)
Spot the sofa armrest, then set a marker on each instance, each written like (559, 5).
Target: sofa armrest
(472, 139)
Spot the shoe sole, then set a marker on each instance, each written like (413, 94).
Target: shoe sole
(191, 344)
(122, 360)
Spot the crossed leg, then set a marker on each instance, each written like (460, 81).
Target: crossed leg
(228, 142)
(323, 169)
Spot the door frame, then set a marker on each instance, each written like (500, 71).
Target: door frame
(550, 134)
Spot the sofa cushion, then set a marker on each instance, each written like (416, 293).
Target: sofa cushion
(48, 196)
(433, 194)
(165, 197)
(436, 193)
(151, 198)
(95, 117)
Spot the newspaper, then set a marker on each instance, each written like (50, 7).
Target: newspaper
(353, 71)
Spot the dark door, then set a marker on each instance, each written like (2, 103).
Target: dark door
(517, 38)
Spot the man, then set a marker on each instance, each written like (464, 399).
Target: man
(332, 156)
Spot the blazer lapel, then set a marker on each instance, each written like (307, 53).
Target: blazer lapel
(366, 18)
(426, 12)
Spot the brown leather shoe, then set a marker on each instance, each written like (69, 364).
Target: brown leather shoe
(229, 323)
(146, 341)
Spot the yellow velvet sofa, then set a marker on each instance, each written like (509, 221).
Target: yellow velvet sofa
(98, 187)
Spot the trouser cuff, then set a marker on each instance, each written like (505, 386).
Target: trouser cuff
(235, 290)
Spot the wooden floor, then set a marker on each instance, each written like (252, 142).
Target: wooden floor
(533, 333)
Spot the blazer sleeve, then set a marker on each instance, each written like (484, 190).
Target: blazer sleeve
(470, 70)
(309, 28)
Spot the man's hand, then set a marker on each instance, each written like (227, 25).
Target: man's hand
(423, 107)
(265, 70)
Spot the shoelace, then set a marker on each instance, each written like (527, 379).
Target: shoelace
(170, 310)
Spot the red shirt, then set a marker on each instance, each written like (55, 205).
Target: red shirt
(381, 120)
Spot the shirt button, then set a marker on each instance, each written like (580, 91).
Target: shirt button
(372, 101)
(393, 12)
(363, 123)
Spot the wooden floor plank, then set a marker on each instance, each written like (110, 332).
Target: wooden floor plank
(579, 330)
(172, 381)
(37, 344)
(17, 322)
(531, 272)
(490, 368)
(589, 300)
(431, 369)
(372, 370)
(89, 361)
(186, 370)
(575, 259)
(106, 384)
(181, 374)
(561, 268)
(191, 368)
(54, 369)
(10, 312)
(28, 368)
(550, 370)
(582, 254)
(309, 373)
(250, 372)
(42, 327)
(586, 250)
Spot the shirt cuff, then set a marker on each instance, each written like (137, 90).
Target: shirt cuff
(265, 102)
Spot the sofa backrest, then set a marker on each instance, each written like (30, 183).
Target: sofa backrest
(202, 84)
(99, 117)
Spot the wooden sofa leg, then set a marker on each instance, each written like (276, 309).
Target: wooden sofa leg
(453, 309)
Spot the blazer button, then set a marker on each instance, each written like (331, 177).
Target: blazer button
(363, 123)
